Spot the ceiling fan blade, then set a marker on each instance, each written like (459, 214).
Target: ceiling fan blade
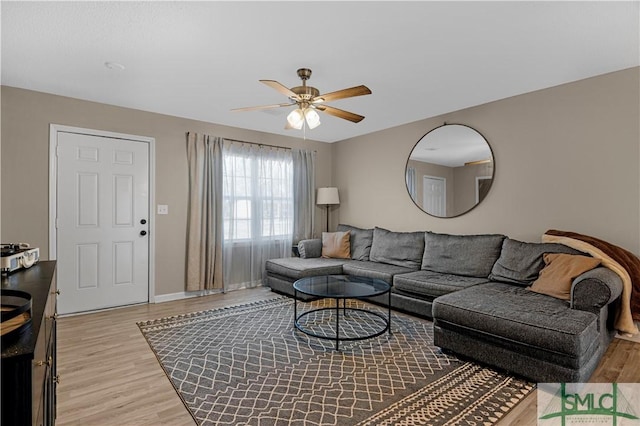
(261, 107)
(340, 113)
(341, 94)
(280, 88)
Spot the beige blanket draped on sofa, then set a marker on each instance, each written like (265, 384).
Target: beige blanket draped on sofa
(619, 260)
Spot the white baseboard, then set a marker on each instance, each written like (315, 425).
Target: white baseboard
(161, 298)
(189, 294)
(95, 311)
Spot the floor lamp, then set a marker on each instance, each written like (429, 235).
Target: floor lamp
(327, 197)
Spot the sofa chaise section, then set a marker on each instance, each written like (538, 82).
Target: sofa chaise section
(282, 273)
(533, 335)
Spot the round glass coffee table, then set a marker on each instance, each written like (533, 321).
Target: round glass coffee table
(357, 323)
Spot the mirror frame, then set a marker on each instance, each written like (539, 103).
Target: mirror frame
(493, 170)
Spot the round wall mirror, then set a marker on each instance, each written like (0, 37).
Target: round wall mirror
(450, 170)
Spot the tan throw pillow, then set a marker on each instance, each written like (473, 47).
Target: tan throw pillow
(559, 272)
(336, 245)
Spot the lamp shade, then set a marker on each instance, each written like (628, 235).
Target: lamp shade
(327, 196)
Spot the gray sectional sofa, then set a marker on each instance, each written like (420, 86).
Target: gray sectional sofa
(475, 288)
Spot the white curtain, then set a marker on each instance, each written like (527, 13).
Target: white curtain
(204, 228)
(257, 210)
(304, 193)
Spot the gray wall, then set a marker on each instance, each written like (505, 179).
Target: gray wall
(26, 116)
(566, 157)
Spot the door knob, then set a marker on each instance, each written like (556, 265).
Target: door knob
(143, 233)
(143, 221)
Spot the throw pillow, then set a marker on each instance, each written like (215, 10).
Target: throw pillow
(559, 272)
(520, 263)
(336, 245)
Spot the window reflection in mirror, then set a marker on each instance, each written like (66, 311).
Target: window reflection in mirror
(450, 170)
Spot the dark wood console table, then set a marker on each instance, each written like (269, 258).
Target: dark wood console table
(28, 364)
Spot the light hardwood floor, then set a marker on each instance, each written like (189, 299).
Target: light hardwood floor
(110, 376)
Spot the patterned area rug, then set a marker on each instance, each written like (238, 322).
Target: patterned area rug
(248, 365)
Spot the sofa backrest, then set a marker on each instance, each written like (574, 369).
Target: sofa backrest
(361, 240)
(469, 255)
(397, 248)
(520, 262)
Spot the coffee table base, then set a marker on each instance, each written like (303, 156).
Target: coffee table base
(345, 311)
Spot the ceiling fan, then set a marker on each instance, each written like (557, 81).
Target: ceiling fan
(308, 99)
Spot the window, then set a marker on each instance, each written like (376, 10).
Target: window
(257, 194)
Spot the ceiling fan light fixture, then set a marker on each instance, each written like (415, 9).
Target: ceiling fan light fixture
(308, 101)
(296, 118)
(312, 117)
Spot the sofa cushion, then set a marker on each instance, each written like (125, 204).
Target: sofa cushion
(516, 314)
(560, 270)
(381, 271)
(520, 263)
(433, 284)
(336, 245)
(469, 255)
(310, 248)
(361, 240)
(296, 267)
(397, 248)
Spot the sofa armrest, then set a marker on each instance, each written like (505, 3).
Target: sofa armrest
(310, 248)
(595, 289)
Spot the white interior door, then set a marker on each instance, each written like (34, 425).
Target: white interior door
(102, 222)
(435, 195)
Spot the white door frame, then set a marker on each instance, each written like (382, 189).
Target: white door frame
(53, 190)
(478, 179)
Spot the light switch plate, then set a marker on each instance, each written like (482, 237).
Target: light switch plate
(163, 209)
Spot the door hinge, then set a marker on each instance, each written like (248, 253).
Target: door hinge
(56, 223)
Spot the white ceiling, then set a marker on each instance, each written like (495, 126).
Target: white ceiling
(451, 146)
(420, 59)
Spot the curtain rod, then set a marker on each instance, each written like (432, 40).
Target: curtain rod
(259, 144)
